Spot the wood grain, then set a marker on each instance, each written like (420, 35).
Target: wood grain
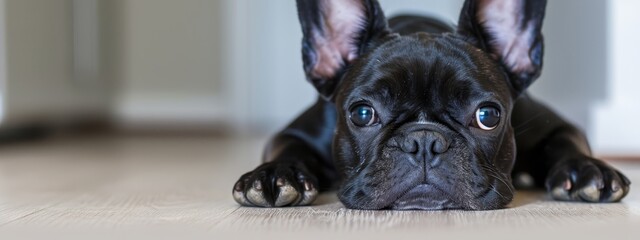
(161, 183)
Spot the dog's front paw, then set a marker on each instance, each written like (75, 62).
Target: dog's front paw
(276, 184)
(586, 179)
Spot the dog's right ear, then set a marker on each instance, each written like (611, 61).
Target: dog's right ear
(336, 32)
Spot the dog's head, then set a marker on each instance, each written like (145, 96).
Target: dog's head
(423, 119)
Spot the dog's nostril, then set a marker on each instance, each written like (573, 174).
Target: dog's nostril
(440, 145)
(410, 145)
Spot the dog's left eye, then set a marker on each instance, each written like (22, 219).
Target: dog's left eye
(487, 118)
(363, 115)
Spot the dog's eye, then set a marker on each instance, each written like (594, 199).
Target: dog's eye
(487, 118)
(363, 115)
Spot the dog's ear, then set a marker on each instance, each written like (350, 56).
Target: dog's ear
(510, 31)
(335, 33)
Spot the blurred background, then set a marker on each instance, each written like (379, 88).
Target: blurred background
(233, 67)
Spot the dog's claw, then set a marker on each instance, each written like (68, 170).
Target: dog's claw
(310, 193)
(238, 194)
(586, 180)
(257, 185)
(275, 185)
(616, 190)
(280, 182)
(567, 185)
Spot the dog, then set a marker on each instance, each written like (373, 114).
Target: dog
(415, 114)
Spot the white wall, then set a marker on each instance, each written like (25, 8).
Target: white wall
(40, 84)
(574, 76)
(3, 61)
(167, 62)
(615, 129)
(445, 10)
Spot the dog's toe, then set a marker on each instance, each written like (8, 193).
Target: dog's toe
(560, 190)
(238, 194)
(257, 196)
(310, 193)
(616, 185)
(616, 193)
(287, 193)
(295, 192)
(590, 193)
(589, 183)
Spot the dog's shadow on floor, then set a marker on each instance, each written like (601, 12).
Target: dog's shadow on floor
(521, 198)
(326, 199)
(526, 197)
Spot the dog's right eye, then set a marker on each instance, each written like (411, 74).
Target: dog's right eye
(363, 115)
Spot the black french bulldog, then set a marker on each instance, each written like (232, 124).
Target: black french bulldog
(414, 114)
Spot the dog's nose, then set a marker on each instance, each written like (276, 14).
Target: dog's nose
(425, 143)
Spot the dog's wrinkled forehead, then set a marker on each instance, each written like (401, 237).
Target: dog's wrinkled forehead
(425, 66)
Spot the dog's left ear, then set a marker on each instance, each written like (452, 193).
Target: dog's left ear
(509, 30)
(336, 32)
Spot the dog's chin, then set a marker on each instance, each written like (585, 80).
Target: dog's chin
(425, 197)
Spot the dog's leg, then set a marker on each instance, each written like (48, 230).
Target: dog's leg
(574, 174)
(297, 163)
(558, 154)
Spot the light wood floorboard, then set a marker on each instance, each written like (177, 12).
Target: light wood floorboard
(160, 183)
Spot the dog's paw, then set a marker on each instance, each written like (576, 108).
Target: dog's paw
(275, 185)
(588, 180)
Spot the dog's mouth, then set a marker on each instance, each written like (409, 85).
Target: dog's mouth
(425, 197)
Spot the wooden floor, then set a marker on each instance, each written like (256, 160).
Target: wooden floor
(183, 185)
